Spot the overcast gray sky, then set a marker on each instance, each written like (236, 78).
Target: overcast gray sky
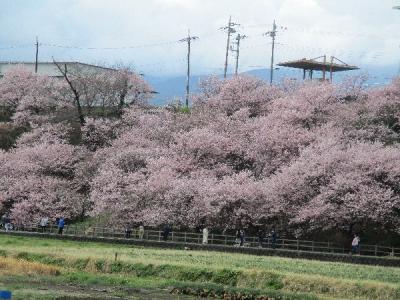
(364, 32)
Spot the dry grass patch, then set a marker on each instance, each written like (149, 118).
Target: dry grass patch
(12, 266)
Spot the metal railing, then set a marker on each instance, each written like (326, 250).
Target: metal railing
(213, 239)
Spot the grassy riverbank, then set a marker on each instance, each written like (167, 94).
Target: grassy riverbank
(51, 269)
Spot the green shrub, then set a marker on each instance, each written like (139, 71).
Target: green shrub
(117, 267)
(80, 263)
(42, 258)
(227, 277)
(100, 265)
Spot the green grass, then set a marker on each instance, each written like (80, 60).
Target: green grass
(200, 271)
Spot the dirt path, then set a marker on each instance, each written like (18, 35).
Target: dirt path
(76, 291)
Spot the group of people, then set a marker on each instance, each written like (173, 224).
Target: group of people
(128, 232)
(240, 240)
(43, 223)
(6, 222)
(271, 237)
(60, 223)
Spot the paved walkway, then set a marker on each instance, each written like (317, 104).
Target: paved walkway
(313, 255)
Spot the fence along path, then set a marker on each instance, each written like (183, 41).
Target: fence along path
(213, 239)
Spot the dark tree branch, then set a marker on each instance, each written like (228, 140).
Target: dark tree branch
(74, 91)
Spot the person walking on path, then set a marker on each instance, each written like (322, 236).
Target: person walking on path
(43, 223)
(3, 220)
(241, 237)
(141, 231)
(355, 244)
(274, 238)
(260, 234)
(205, 235)
(61, 224)
(7, 222)
(166, 231)
(237, 237)
(128, 231)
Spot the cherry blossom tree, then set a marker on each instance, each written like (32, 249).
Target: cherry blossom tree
(311, 156)
(104, 88)
(29, 97)
(39, 179)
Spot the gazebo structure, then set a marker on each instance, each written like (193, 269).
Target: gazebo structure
(315, 64)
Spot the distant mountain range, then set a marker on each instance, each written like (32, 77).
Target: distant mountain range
(170, 88)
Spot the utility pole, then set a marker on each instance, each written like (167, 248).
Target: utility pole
(230, 29)
(188, 41)
(397, 7)
(37, 54)
(272, 34)
(239, 37)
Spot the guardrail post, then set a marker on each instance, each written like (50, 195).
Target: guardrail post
(392, 251)
(312, 246)
(212, 238)
(159, 236)
(376, 250)
(297, 244)
(226, 240)
(328, 246)
(185, 236)
(172, 236)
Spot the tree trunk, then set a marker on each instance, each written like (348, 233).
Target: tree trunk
(74, 91)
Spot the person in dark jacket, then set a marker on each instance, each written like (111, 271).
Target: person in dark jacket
(166, 231)
(61, 224)
(3, 220)
(128, 231)
(260, 235)
(7, 222)
(241, 237)
(274, 238)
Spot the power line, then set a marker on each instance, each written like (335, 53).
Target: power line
(16, 47)
(110, 48)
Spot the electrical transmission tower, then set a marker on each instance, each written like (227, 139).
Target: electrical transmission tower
(230, 29)
(272, 34)
(239, 37)
(188, 40)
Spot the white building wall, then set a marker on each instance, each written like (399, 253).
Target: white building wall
(49, 68)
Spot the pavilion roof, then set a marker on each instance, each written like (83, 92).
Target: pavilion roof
(312, 64)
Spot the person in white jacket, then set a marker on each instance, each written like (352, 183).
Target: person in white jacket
(43, 223)
(355, 244)
(205, 235)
